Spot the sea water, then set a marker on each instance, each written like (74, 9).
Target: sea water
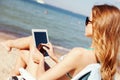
(65, 29)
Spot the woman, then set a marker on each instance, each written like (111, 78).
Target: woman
(103, 27)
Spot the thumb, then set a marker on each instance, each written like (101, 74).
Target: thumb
(46, 49)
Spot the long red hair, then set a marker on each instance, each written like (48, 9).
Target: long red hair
(106, 37)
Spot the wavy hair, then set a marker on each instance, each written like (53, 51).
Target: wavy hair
(106, 37)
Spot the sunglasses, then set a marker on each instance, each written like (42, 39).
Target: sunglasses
(87, 21)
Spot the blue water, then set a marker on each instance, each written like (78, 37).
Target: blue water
(65, 29)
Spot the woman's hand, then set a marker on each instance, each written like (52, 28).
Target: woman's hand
(37, 56)
(6, 45)
(50, 51)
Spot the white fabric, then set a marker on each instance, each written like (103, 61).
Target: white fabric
(94, 75)
(25, 74)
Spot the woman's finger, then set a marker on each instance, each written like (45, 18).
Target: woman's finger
(46, 49)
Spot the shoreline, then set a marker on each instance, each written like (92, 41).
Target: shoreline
(8, 35)
(13, 32)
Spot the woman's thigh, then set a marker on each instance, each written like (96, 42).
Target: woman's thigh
(31, 66)
(20, 62)
(24, 55)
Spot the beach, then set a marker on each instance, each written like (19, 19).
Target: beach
(18, 17)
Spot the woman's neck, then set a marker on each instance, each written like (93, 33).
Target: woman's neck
(92, 46)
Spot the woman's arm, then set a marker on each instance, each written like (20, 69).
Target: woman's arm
(20, 43)
(60, 69)
(51, 52)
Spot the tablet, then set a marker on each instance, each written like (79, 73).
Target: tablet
(40, 36)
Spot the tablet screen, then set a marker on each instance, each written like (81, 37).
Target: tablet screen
(40, 36)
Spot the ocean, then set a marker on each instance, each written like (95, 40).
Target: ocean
(65, 29)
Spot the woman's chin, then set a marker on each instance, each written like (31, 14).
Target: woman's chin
(87, 35)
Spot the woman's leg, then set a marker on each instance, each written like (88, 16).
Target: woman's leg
(31, 66)
(22, 61)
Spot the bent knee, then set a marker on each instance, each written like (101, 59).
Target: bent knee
(24, 54)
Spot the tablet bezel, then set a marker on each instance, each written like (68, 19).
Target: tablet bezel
(40, 30)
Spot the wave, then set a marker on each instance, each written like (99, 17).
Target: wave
(40, 1)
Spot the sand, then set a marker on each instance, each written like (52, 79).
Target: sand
(7, 60)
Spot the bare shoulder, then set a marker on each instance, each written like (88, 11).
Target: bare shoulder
(81, 53)
(78, 51)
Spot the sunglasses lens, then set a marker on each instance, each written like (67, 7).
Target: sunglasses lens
(87, 20)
